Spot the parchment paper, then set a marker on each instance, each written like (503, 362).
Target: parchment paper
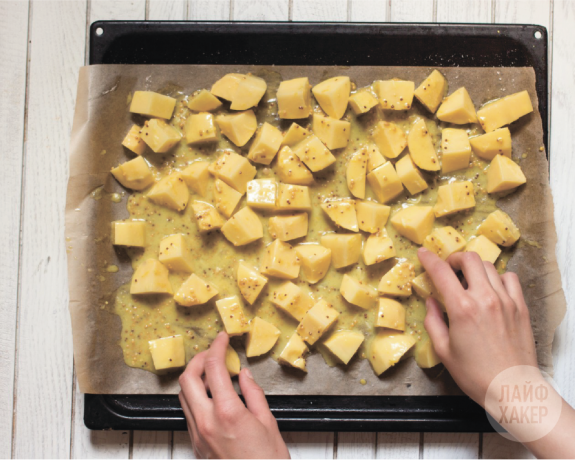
(100, 123)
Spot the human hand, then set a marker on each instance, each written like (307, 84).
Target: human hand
(222, 426)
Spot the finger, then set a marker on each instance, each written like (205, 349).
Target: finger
(441, 274)
(471, 265)
(495, 281)
(192, 385)
(513, 287)
(253, 394)
(217, 375)
(436, 328)
(190, 421)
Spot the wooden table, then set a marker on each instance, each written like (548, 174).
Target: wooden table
(42, 46)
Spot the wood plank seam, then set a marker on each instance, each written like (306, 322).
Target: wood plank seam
(231, 10)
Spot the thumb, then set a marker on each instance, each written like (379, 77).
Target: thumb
(436, 328)
(253, 394)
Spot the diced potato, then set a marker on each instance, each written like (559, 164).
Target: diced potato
(238, 127)
(168, 352)
(487, 250)
(389, 138)
(414, 222)
(175, 254)
(385, 183)
(344, 344)
(226, 198)
(226, 86)
(294, 99)
(315, 261)
(134, 174)
(488, 145)
(131, 233)
(151, 277)
(504, 111)
(232, 314)
(410, 176)
(387, 349)
(371, 216)
(266, 144)
(421, 147)
(424, 288)
(294, 135)
(394, 94)
(356, 173)
(317, 321)
(391, 314)
(286, 228)
(432, 91)
(314, 154)
(504, 174)
(200, 129)
(378, 247)
(332, 132)
(249, 92)
(457, 108)
(375, 158)
(345, 249)
(294, 352)
(291, 170)
(362, 102)
(261, 338)
(262, 194)
(280, 260)
(207, 217)
(455, 150)
(357, 292)
(500, 229)
(342, 212)
(244, 227)
(195, 291)
(444, 241)
(292, 300)
(250, 282)
(133, 141)
(425, 355)
(397, 281)
(235, 170)
(204, 101)
(152, 104)
(454, 197)
(197, 177)
(293, 198)
(171, 192)
(332, 96)
(233, 364)
(159, 135)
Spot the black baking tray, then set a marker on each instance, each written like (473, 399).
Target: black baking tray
(344, 44)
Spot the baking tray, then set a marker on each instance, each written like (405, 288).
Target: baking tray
(343, 44)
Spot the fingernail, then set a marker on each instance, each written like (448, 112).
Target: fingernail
(422, 249)
(248, 373)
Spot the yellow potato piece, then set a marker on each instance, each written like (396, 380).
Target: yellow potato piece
(362, 102)
(291, 170)
(129, 233)
(248, 93)
(315, 261)
(134, 174)
(344, 344)
(152, 104)
(421, 147)
(232, 313)
(454, 197)
(375, 158)
(159, 135)
(317, 321)
(378, 247)
(455, 150)
(356, 173)
(371, 216)
(195, 291)
(394, 94)
(293, 198)
(233, 364)
(444, 241)
(226, 198)
(207, 217)
(314, 154)
(342, 213)
(204, 101)
(151, 277)
(504, 174)
(357, 293)
(332, 95)
(286, 228)
(414, 222)
(200, 129)
(385, 183)
(457, 108)
(175, 254)
(235, 170)
(504, 111)
(391, 314)
(488, 145)
(294, 135)
(250, 282)
(424, 288)
(487, 250)
(197, 177)
(244, 227)
(294, 99)
(133, 141)
(262, 194)
(171, 192)
(261, 338)
(411, 177)
(226, 86)
(291, 299)
(387, 348)
(294, 352)
(280, 260)
(345, 249)
(500, 229)
(397, 281)
(432, 91)
(266, 144)
(389, 138)
(425, 355)
(332, 132)
(238, 127)
(168, 352)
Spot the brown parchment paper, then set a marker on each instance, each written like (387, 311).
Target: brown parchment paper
(100, 123)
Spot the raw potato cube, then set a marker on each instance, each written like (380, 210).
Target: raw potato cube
(195, 291)
(378, 247)
(387, 349)
(487, 250)
(160, 136)
(425, 355)
(226, 198)
(207, 217)
(261, 338)
(454, 197)
(294, 99)
(280, 260)
(315, 261)
(431, 91)
(410, 176)
(266, 144)
(293, 198)
(250, 282)
(385, 183)
(314, 154)
(175, 254)
(504, 174)
(233, 317)
(357, 293)
(332, 132)
(152, 104)
(488, 145)
(168, 352)
(291, 170)
(234, 170)
(134, 174)
(397, 281)
(200, 129)
(394, 94)
(458, 108)
(424, 288)
(294, 135)
(500, 229)
(345, 249)
(292, 300)
(238, 127)
(316, 321)
(444, 241)
(151, 277)
(455, 149)
(342, 213)
(286, 228)
(356, 173)
(391, 314)
(375, 158)
(362, 102)
(133, 141)
(332, 96)
(504, 111)
(414, 222)
(233, 364)
(371, 216)
(171, 192)
(262, 194)
(344, 344)
(197, 177)
(248, 93)
(244, 227)
(226, 86)
(421, 147)
(204, 101)
(389, 138)
(294, 352)
(131, 233)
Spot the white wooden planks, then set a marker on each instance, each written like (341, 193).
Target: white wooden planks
(468, 11)
(167, 10)
(310, 445)
(368, 10)
(451, 445)
(356, 445)
(411, 10)
(261, 10)
(209, 10)
(319, 10)
(398, 445)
